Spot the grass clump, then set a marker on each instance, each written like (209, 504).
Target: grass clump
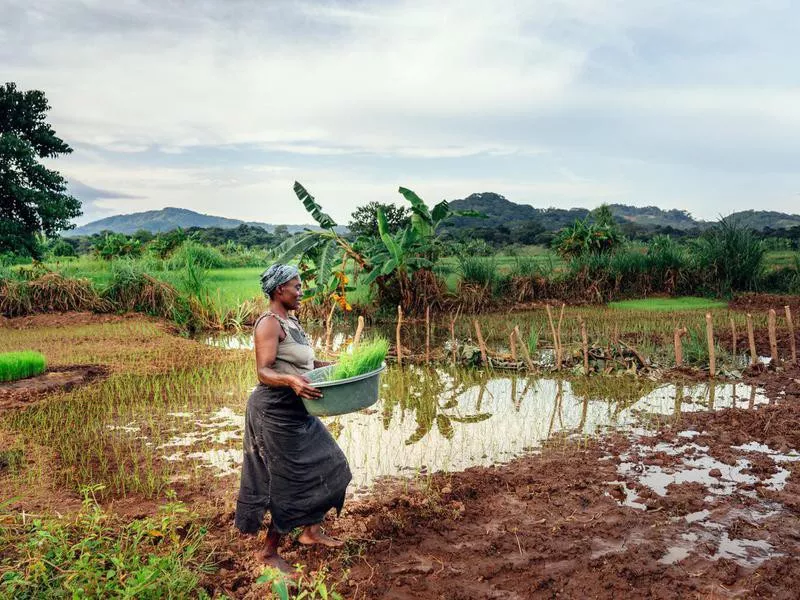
(365, 358)
(19, 365)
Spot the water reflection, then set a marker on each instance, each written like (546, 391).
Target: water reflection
(431, 419)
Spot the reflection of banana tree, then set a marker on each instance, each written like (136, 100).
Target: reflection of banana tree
(432, 402)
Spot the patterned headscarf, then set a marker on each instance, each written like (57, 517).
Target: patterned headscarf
(277, 275)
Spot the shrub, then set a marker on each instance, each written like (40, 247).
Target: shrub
(19, 365)
(365, 358)
(116, 245)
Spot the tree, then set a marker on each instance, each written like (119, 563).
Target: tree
(33, 199)
(364, 221)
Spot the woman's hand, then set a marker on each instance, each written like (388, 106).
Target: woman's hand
(303, 388)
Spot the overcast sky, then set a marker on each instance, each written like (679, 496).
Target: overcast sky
(219, 105)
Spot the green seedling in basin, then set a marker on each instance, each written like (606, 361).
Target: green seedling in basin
(365, 358)
(18, 365)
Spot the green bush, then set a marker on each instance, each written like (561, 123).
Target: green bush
(18, 365)
(365, 358)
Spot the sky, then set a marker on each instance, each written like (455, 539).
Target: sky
(220, 105)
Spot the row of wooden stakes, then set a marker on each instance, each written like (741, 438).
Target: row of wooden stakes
(516, 341)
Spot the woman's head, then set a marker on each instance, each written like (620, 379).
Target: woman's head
(281, 283)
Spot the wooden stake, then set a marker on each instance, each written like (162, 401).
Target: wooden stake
(733, 339)
(555, 337)
(513, 345)
(560, 346)
(712, 358)
(792, 341)
(524, 347)
(585, 341)
(329, 328)
(481, 344)
(428, 334)
(453, 339)
(679, 332)
(773, 337)
(359, 331)
(751, 339)
(399, 347)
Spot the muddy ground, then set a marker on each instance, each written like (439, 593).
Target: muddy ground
(706, 508)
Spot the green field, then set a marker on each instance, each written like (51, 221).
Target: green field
(668, 304)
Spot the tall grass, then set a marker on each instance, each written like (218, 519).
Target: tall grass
(730, 258)
(18, 365)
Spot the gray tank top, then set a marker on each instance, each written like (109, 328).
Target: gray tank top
(295, 354)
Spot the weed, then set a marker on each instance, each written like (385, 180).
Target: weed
(303, 587)
(149, 558)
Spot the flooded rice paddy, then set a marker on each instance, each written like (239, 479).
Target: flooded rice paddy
(429, 420)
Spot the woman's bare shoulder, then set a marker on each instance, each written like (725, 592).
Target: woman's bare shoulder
(267, 328)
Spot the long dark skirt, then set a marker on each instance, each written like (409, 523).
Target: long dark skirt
(292, 465)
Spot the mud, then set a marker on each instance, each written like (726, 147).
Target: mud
(707, 507)
(24, 392)
(763, 302)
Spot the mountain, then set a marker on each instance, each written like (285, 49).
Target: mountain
(166, 219)
(503, 212)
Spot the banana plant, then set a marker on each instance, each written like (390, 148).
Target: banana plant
(325, 248)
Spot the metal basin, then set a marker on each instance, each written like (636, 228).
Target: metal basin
(344, 395)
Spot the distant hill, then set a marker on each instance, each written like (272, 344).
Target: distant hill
(763, 219)
(500, 212)
(166, 219)
(503, 212)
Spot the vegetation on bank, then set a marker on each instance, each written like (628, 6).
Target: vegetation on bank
(92, 556)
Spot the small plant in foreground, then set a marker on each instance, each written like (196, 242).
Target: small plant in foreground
(18, 365)
(304, 586)
(365, 358)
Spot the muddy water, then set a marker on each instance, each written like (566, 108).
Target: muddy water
(431, 420)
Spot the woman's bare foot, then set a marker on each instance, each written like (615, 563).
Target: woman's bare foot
(269, 553)
(313, 535)
(276, 561)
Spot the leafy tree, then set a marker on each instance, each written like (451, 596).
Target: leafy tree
(33, 199)
(364, 221)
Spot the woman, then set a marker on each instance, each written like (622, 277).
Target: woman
(292, 466)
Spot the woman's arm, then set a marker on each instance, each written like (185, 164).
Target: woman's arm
(322, 363)
(267, 337)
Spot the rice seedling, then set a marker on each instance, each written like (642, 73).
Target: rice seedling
(19, 365)
(367, 357)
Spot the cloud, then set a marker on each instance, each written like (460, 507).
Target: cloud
(569, 102)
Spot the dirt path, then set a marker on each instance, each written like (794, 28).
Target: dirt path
(708, 508)
(23, 392)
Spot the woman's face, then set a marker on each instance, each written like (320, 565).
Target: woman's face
(289, 293)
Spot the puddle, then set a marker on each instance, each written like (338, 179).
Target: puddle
(444, 420)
